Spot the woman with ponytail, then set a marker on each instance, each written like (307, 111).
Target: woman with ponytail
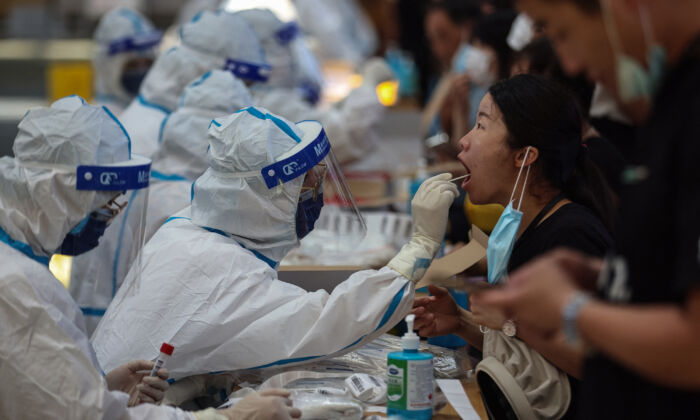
(525, 153)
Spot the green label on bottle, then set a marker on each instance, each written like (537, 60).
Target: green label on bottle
(396, 384)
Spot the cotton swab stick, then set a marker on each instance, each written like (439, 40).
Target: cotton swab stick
(460, 177)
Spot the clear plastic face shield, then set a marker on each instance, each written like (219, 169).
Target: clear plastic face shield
(107, 242)
(339, 225)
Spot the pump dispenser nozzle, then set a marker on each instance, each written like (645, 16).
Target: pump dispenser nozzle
(410, 340)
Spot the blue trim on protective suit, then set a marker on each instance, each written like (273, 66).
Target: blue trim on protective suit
(89, 311)
(23, 248)
(385, 318)
(128, 138)
(162, 128)
(269, 261)
(149, 104)
(267, 116)
(166, 177)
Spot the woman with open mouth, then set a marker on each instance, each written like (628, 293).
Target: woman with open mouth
(525, 153)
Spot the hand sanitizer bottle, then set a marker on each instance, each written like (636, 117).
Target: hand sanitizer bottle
(410, 379)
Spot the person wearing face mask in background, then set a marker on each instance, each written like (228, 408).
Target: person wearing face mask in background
(126, 47)
(211, 40)
(449, 26)
(643, 326)
(525, 153)
(479, 65)
(538, 57)
(209, 285)
(294, 86)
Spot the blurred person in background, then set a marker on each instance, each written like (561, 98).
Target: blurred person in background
(294, 84)
(126, 46)
(538, 57)
(211, 40)
(340, 28)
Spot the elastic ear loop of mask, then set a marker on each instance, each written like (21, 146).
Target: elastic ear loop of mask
(515, 187)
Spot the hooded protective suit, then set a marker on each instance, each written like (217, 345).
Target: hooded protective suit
(121, 36)
(295, 84)
(209, 283)
(211, 40)
(182, 154)
(46, 360)
(341, 28)
(293, 65)
(97, 275)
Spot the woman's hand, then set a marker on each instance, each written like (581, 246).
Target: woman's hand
(436, 315)
(132, 378)
(487, 316)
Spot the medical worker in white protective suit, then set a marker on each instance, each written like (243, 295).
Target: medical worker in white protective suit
(71, 161)
(97, 275)
(126, 44)
(182, 154)
(341, 28)
(211, 40)
(209, 283)
(351, 124)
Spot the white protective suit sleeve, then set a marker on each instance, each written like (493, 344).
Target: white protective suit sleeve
(224, 309)
(45, 374)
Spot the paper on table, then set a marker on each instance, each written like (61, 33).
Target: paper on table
(454, 392)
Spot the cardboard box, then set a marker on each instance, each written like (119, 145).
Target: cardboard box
(442, 271)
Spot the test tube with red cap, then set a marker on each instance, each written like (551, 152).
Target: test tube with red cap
(166, 350)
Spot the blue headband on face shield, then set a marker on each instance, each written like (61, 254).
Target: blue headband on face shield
(133, 175)
(298, 164)
(249, 71)
(139, 42)
(287, 33)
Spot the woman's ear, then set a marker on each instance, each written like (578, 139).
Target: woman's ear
(532, 156)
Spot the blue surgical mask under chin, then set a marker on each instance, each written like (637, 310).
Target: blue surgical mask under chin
(501, 243)
(308, 211)
(85, 236)
(504, 234)
(131, 80)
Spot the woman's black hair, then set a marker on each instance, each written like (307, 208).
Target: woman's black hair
(538, 112)
(493, 30)
(459, 11)
(543, 61)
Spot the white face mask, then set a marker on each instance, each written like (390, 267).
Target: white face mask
(476, 63)
(521, 32)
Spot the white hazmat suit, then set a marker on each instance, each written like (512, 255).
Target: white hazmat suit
(121, 36)
(209, 284)
(217, 40)
(351, 125)
(182, 154)
(46, 362)
(211, 40)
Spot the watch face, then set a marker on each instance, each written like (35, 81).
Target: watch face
(509, 329)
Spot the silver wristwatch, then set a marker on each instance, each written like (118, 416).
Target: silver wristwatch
(508, 328)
